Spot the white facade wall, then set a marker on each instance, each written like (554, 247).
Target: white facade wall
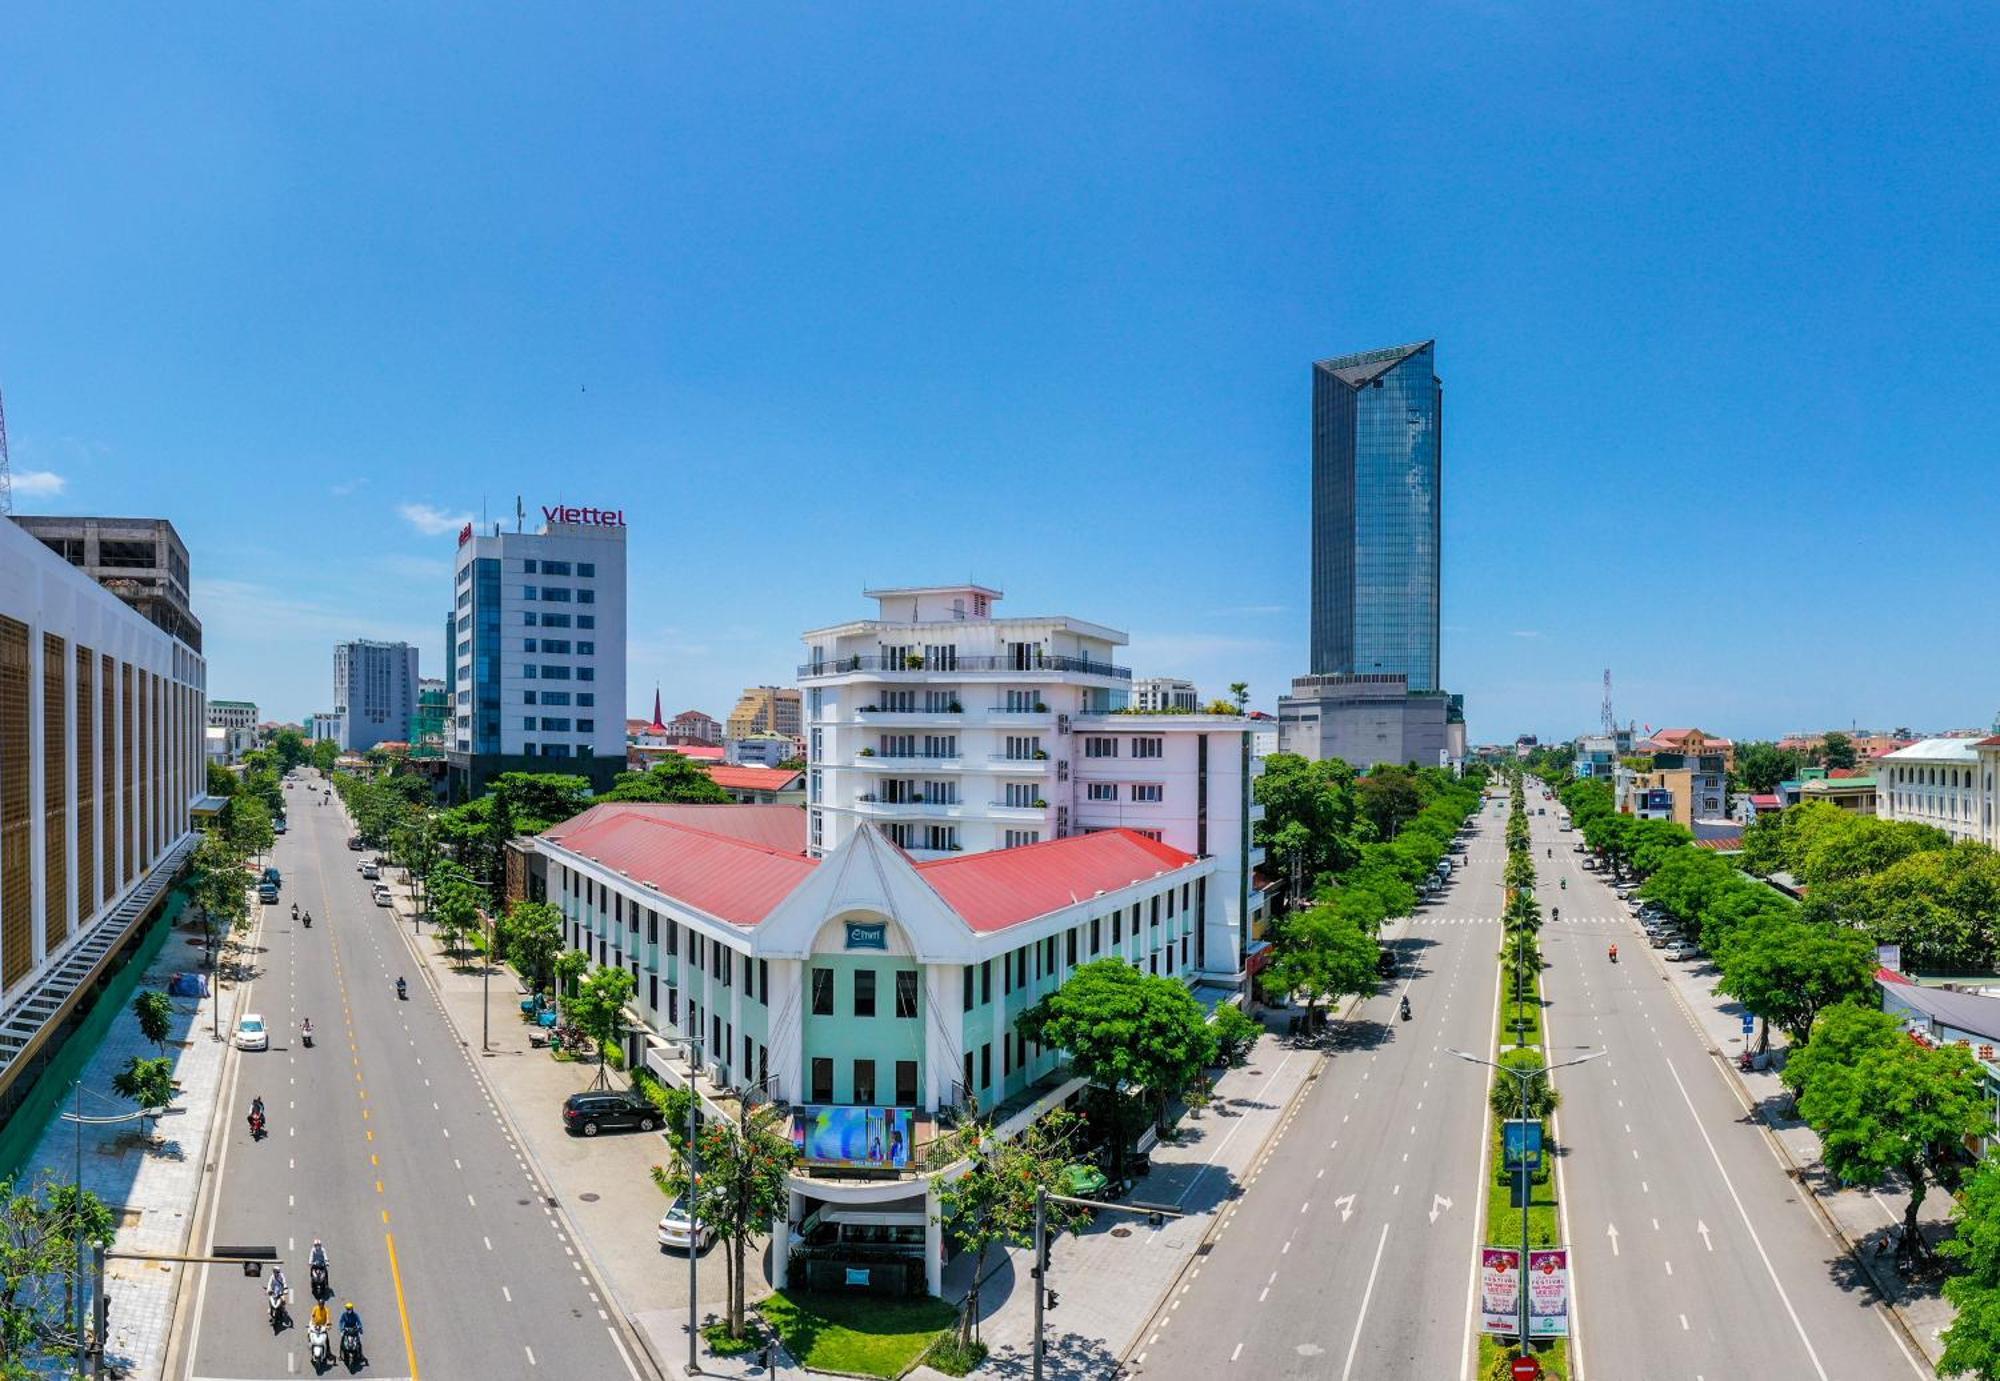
(602, 548)
(1946, 783)
(374, 692)
(41, 595)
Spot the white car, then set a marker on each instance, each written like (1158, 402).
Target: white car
(250, 1033)
(382, 897)
(678, 1231)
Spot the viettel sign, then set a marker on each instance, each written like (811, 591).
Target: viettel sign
(591, 517)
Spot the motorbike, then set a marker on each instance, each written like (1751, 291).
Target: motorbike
(350, 1347)
(256, 1126)
(321, 1349)
(319, 1285)
(1406, 1009)
(1614, 954)
(402, 990)
(307, 1036)
(309, 920)
(278, 1315)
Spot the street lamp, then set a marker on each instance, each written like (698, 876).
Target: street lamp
(694, 1045)
(1524, 1077)
(1155, 1212)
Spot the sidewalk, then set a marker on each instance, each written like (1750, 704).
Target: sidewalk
(150, 1183)
(602, 1185)
(1861, 1217)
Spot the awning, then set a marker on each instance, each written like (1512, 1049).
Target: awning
(1256, 955)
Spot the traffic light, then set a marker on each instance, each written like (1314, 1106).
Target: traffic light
(1052, 1300)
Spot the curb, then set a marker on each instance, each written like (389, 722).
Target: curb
(1797, 1173)
(634, 1335)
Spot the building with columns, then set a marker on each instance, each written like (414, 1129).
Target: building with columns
(873, 995)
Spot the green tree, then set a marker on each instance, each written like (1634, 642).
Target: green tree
(1308, 829)
(672, 778)
(454, 907)
(217, 882)
(1837, 750)
(250, 827)
(1788, 971)
(325, 752)
(289, 746)
(1239, 691)
(993, 1202)
(1843, 1033)
(1900, 1108)
(1124, 1029)
(221, 781)
(598, 1009)
(533, 934)
(1236, 1034)
(1761, 766)
(1941, 905)
(147, 1082)
(1321, 956)
(1542, 1098)
(38, 1269)
(1389, 797)
(1972, 1339)
(155, 1011)
(742, 1186)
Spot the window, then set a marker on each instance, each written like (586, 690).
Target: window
(1148, 793)
(985, 981)
(940, 745)
(1096, 746)
(583, 620)
(764, 981)
(586, 726)
(528, 566)
(528, 723)
(864, 1082)
(586, 698)
(906, 992)
(986, 1065)
(1104, 791)
(586, 673)
(555, 568)
(551, 672)
(1023, 746)
(1096, 935)
(864, 992)
(822, 1079)
(1070, 949)
(1118, 928)
(527, 617)
(557, 725)
(586, 596)
(586, 569)
(528, 670)
(822, 990)
(1022, 795)
(554, 645)
(1017, 838)
(528, 645)
(554, 697)
(906, 1083)
(528, 698)
(527, 592)
(1149, 747)
(586, 648)
(556, 594)
(555, 620)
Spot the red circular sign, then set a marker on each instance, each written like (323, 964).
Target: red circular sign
(1527, 1369)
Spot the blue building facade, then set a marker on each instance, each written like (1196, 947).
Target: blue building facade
(1377, 443)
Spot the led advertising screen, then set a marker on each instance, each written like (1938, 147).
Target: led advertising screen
(870, 1138)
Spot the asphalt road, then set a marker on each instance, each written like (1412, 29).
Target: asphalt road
(1694, 1255)
(1349, 1252)
(383, 1142)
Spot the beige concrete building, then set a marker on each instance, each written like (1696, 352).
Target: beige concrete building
(766, 710)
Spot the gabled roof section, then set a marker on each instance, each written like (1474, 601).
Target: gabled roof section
(995, 890)
(729, 878)
(782, 828)
(1369, 365)
(751, 778)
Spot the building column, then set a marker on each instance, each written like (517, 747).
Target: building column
(781, 1245)
(933, 1240)
(785, 1040)
(944, 1033)
(38, 890)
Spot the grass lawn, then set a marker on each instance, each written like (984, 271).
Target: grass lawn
(869, 1334)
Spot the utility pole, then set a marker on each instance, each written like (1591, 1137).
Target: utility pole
(1157, 1213)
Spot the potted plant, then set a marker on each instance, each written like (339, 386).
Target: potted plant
(1041, 755)
(914, 661)
(1039, 804)
(955, 708)
(1040, 708)
(866, 753)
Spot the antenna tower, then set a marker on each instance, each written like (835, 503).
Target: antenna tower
(1610, 720)
(6, 466)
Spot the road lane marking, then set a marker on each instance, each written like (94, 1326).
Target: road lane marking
(1237, 1353)
(1347, 1371)
(402, 1306)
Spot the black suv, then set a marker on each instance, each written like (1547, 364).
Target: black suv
(591, 1113)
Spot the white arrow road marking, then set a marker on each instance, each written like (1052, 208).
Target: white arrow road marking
(1611, 1231)
(1345, 1203)
(1702, 1228)
(1438, 1205)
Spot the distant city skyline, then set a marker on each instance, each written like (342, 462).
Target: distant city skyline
(1030, 306)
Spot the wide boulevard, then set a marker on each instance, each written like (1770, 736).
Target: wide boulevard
(383, 1142)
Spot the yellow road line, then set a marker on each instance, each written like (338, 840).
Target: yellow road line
(402, 1309)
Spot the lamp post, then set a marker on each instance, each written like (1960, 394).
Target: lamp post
(1524, 1078)
(1043, 1199)
(694, 1046)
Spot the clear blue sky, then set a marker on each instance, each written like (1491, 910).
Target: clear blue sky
(841, 294)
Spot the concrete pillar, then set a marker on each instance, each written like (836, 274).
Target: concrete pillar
(933, 1240)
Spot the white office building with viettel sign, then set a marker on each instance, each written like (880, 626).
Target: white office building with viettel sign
(538, 651)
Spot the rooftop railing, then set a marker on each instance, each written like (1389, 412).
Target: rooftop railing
(1042, 662)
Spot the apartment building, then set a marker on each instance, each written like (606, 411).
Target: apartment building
(103, 727)
(765, 710)
(374, 692)
(955, 730)
(539, 651)
(1945, 782)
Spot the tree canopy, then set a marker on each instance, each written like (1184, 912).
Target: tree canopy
(1787, 971)
(672, 778)
(1125, 1029)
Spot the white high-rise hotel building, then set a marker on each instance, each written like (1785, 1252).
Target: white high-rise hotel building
(954, 730)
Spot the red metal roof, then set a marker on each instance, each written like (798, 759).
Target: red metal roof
(1884, 975)
(701, 752)
(729, 878)
(1766, 800)
(750, 778)
(782, 828)
(1006, 886)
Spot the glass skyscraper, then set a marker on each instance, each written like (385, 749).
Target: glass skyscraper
(1376, 457)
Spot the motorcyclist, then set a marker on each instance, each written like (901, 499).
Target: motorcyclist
(309, 920)
(1406, 1007)
(1614, 954)
(402, 988)
(278, 1289)
(1555, 913)
(321, 1316)
(306, 1029)
(350, 1323)
(295, 911)
(318, 1254)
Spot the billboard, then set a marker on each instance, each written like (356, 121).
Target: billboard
(867, 1138)
(1548, 1293)
(1499, 1290)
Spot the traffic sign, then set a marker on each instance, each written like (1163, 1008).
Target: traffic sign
(1749, 1023)
(1527, 1369)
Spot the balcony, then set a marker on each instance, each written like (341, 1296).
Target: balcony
(1046, 664)
(904, 762)
(871, 714)
(1008, 810)
(1256, 811)
(1003, 762)
(869, 805)
(1040, 717)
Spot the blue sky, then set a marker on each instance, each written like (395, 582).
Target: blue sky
(832, 295)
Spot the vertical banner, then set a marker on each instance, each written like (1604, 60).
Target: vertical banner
(1499, 1290)
(1548, 1293)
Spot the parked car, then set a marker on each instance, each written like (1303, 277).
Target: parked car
(278, 824)
(382, 896)
(371, 870)
(1659, 938)
(354, 843)
(679, 1231)
(250, 1033)
(590, 1113)
(1681, 949)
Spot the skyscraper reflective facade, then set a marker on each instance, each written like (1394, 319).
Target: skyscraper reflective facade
(1377, 432)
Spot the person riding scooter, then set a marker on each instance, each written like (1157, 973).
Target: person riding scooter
(295, 911)
(306, 1032)
(309, 920)
(350, 1333)
(402, 988)
(1406, 1007)
(318, 1324)
(278, 1290)
(316, 1269)
(1614, 954)
(256, 1117)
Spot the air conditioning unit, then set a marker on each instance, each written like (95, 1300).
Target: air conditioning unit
(1062, 769)
(1062, 822)
(1062, 723)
